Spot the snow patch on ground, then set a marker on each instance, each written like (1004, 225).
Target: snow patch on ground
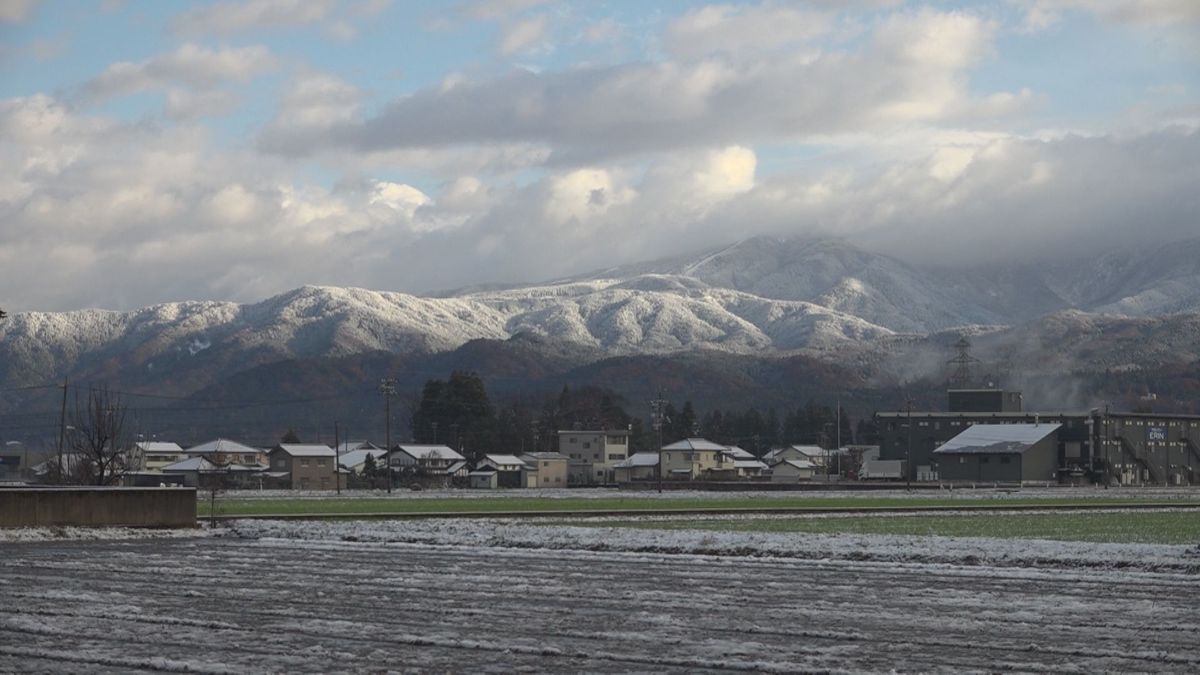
(518, 534)
(36, 534)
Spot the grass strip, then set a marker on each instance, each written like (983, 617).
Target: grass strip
(1134, 527)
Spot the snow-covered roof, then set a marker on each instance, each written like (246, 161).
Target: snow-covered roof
(749, 464)
(456, 467)
(354, 458)
(505, 460)
(806, 450)
(190, 464)
(221, 446)
(997, 438)
(159, 446)
(638, 459)
(346, 447)
(542, 455)
(738, 453)
(696, 444)
(419, 451)
(297, 450)
(797, 463)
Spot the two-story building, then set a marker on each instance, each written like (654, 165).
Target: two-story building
(308, 467)
(154, 455)
(222, 452)
(429, 459)
(592, 455)
(545, 469)
(697, 459)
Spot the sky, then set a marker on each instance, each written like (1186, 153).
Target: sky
(158, 151)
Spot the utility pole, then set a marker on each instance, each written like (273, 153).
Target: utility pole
(337, 458)
(62, 429)
(839, 437)
(657, 407)
(908, 452)
(387, 387)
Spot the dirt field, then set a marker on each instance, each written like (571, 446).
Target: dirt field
(320, 604)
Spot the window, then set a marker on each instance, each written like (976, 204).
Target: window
(1006, 459)
(304, 462)
(617, 456)
(281, 463)
(596, 456)
(984, 459)
(545, 479)
(587, 444)
(321, 462)
(572, 439)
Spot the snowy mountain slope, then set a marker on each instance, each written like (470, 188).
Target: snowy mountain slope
(208, 340)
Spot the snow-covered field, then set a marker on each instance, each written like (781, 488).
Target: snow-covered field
(499, 596)
(1157, 493)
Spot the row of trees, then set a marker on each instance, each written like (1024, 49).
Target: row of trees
(459, 413)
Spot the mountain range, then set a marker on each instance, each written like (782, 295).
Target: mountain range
(821, 299)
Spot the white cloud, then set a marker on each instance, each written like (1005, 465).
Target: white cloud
(184, 104)
(189, 65)
(741, 29)
(1041, 14)
(225, 18)
(17, 11)
(492, 10)
(522, 35)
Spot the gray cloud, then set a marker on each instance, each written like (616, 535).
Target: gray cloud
(225, 18)
(189, 65)
(912, 71)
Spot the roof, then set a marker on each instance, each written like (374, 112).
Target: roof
(346, 447)
(696, 444)
(190, 464)
(221, 446)
(738, 453)
(543, 455)
(504, 460)
(356, 457)
(456, 467)
(421, 451)
(297, 450)
(797, 463)
(638, 459)
(749, 464)
(482, 471)
(997, 438)
(158, 446)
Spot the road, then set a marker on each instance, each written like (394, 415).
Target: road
(216, 605)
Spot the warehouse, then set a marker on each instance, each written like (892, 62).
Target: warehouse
(1098, 445)
(1000, 453)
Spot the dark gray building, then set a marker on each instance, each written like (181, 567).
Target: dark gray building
(1097, 445)
(1003, 453)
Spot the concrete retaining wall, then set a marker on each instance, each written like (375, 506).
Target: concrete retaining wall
(98, 507)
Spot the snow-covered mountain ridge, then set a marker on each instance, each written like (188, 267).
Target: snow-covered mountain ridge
(761, 295)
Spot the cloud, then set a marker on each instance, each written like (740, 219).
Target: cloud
(493, 10)
(189, 65)
(225, 18)
(184, 104)
(738, 30)
(913, 69)
(17, 11)
(522, 35)
(1040, 14)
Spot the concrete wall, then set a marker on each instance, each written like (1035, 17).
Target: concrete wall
(98, 506)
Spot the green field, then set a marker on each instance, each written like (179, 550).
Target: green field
(1150, 527)
(232, 506)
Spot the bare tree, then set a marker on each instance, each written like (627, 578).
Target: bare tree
(98, 439)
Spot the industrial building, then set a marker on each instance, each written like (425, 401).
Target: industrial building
(1099, 446)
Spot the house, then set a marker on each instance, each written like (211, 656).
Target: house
(223, 451)
(792, 470)
(1003, 453)
(697, 459)
(545, 469)
(154, 455)
(815, 454)
(200, 472)
(641, 466)
(591, 455)
(310, 467)
(485, 478)
(749, 468)
(355, 461)
(434, 460)
(509, 470)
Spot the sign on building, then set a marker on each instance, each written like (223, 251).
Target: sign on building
(1154, 434)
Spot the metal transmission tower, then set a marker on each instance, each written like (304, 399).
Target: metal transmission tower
(960, 377)
(387, 387)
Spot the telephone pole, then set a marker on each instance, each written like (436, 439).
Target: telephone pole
(387, 387)
(658, 407)
(62, 429)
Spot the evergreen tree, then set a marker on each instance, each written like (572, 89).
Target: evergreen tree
(290, 437)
